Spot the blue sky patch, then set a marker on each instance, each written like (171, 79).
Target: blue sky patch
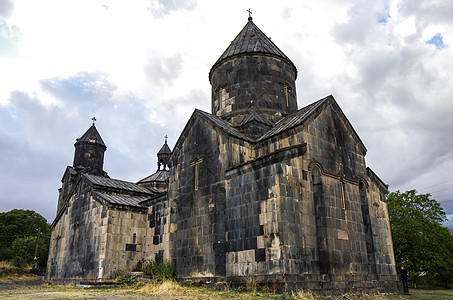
(384, 15)
(9, 36)
(436, 41)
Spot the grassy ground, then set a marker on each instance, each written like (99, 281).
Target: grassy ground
(29, 287)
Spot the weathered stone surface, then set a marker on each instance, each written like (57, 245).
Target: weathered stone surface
(256, 190)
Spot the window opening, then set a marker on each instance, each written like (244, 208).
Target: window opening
(196, 165)
(287, 92)
(222, 97)
(343, 201)
(134, 239)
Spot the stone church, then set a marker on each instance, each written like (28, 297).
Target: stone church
(256, 189)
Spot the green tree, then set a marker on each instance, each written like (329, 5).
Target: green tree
(420, 242)
(22, 225)
(24, 249)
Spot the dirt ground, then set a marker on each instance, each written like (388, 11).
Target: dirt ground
(29, 287)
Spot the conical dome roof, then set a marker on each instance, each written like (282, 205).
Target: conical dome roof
(251, 40)
(91, 136)
(165, 149)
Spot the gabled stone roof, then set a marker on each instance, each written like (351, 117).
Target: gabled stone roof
(296, 119)
(293, 120)
(287, 123)
(91, 136)
(251, 40)
(122, 199)
(160, 175)
(254, 116)
(103, 182)
(225, 126)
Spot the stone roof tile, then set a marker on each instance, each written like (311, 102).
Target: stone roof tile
(160, 175)
(286, 123)
(225, 126)
(91, 136)
(257, 117)
(251, 40)
(294, 119)
(122, 199)
(116, 184)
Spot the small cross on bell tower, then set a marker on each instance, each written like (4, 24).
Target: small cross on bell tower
(163, 155)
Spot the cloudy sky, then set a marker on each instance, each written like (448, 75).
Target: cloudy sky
(141, 68)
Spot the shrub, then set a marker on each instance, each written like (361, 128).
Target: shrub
(159, 270)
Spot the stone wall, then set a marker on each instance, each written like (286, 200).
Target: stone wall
(122, 252)
(253, 82)
(92, 240)
(197, 195)
(78, 239)
(261, 220)
(158, 229)
(296, 210)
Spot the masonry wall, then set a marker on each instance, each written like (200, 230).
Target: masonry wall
(197, 197)
(297, 215)
(353, 244)
(158, 246)
(93, 241)
(263, 227)
(253, 82)
(78, 239)
(122, 252)
(380, 229)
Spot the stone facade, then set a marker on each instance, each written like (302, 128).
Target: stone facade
(258, 189)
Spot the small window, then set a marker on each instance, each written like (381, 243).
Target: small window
(131, 247)
(343, 201)
(222, 97)
(196, 165)
(287, 93)
(134, 239)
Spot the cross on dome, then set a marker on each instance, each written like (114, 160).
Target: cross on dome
(250, 14)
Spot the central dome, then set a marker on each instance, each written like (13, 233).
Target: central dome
(253, 74)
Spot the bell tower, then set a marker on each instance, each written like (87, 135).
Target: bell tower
(163, 155)
(89, 152)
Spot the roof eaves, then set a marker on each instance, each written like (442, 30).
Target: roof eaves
(115, 184)
(225, 126)
(295, 119)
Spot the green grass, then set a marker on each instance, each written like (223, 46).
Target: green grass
(430, 294)
(30, 287)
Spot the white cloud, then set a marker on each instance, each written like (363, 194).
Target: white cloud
(6, 8)
(142, 67)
